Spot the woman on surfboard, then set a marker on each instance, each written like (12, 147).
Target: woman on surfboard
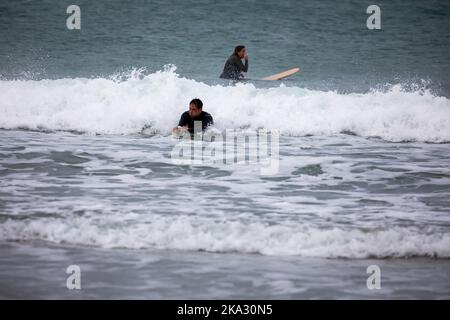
(233, 66)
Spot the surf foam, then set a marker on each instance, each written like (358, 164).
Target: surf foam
(125, 106)
(225, 235)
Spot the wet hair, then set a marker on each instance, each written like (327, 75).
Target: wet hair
(237, 49)
(197, 102)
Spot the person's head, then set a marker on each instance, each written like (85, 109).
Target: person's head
(195, 107)
(239, 51)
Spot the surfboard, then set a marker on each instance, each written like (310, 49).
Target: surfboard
(282, 75)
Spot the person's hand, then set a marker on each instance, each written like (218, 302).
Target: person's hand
(180, 129)
(246, 56)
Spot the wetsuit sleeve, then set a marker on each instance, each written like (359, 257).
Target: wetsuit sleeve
(241, 66)
(209, 121)
(245, 66)
(183, 120)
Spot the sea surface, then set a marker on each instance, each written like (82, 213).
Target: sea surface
(89, 176)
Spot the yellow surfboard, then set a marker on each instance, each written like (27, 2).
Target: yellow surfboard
(282, 75)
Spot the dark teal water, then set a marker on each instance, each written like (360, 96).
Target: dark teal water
(329, 41)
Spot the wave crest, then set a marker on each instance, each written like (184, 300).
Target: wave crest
(126, 103)
(224, 235)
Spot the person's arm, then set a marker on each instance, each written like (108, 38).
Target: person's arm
(245, 67)
(208, 121)
(182, 124)
(183, 120)
(241, 66)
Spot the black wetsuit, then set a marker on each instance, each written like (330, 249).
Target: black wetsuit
(233, 68)
(187, 120)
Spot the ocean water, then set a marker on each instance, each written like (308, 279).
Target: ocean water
(87, 169)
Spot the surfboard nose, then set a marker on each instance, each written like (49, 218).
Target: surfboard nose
(283, 74)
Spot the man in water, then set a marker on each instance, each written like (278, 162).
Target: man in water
(234, 67)
(195, 113)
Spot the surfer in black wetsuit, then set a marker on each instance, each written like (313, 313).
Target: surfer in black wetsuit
(195, 113)
(233, 66)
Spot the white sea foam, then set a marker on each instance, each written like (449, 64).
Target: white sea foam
(122, 107)
(224, 235)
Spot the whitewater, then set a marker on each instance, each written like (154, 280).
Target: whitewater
(129, 103)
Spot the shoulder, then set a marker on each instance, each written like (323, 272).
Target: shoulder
(185, 114)
(207, 116)
(233, 58)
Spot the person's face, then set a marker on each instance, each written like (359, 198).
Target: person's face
(194, 112)
(241, 53)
